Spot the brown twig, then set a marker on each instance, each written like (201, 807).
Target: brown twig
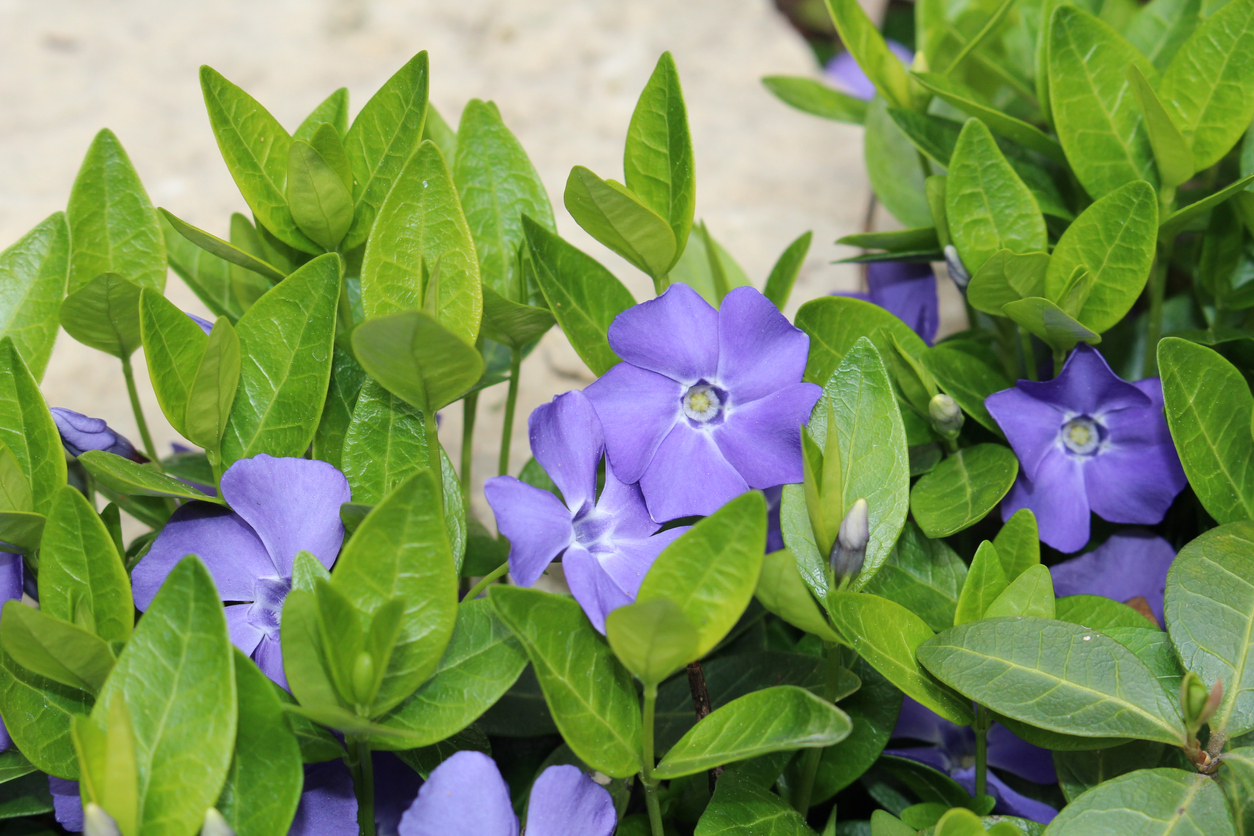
(701, 704)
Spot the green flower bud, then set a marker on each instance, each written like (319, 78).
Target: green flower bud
(1198, 702)
(96, 822)
(947, 417)
(363, 677)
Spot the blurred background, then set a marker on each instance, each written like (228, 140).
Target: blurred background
(565, 74)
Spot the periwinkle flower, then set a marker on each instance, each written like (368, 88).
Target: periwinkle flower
(1130, 567)
(1088, 441)
(466, 796)
(607, 543)
(278, 507)
(11, 579)
(952, 751)
(907, 290)
(205, 325)
(844, 70)
(706, 403)
(80, 433)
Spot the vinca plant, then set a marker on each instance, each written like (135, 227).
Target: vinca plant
(833, 575)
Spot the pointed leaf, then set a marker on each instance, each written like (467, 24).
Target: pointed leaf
(999, 122)
(33, 276)
(619, 220)
(332, 110)
(104, 314)
(415, 357)
(386, 443)
(816, 98)
(968, 372)
(865, 43)
(1052, 324)
(1018, 544)
(779, 283)
(924, 576)
(55, 649)
(1030, 594)
(222, 249)
(212, 391)
(985, 582)
(26, 428)
(1171, 150)
(653, 639)
(782, 591)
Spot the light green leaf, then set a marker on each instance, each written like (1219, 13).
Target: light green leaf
(924, 576)
(320, 201)
(816, 98)
(968, 372)
(304, 660)
(1030, 594)
(780, 281)
(1171, 151)
(104, 314)
(835, 323)
(862, 38)
(621, 221)
(894, 169)
(385, 444)
(55, 649)
(173, 347)
(713, 277)
(26, 428)
(1007, 277)
(963, 488)
(224, 250)
(652, 639)
(590, 694)
(1148, 802)
(20, 531)
(285, 341)
(1052, 324)
(1018, 544)
(513, 324)
(742, 808)
(206, 274)
(984, 584)
(37, 713)
(1098, 613)
(332, 110)
(1057, 676)
(998, 121)
(33, 275)
(782, 591)
(212, 392)
(15, 492)
(417, 358)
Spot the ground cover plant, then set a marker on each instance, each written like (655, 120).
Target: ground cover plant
(828, 575)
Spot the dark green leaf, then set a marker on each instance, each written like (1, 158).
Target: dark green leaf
(104, 314)
(33, 275)
(415, 357)
(1007, 277)
(961, 490)
(1178, 220)
(513, 324)
(873, 708)
(984, 583)
(742, 808)
(834, 324)
(1161, 26)
(968, 372)
(816, 98)
(924, 576)
(1148, 802)
(621, 221)
(26, 428)
(1018, 544)
(208, 276)
(1080, 771)
(25, 796)
(346, 382)
(131, 479)
(55, 649)
(20, 531)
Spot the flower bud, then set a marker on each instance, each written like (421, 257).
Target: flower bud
(957, 270)
(947, 418)
(850, 547)
(96, 822)
(363, 677)
(215, 824)
(80, 433)
(1197, 701)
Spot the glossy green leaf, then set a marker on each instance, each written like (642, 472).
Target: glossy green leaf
(1080, 771)
(383, 137)
(385, 444)
(132, 479)
(589, 693)
(304, 659)
(346, 382)
(621, 221)
(1153, 647)
(583, 296)
(998, 121)
(1052, 324)
(1171, 151)
(835, 323)
(1007, 277)
(887, 635)
(1209, 407)
(816, 98)
(177, 678)
(1098, 613)
(984, 583)
(924, 576)
(37, 714)
(104, 314)
(873, 708)
(285, 342)
(1161, 26)
(1179, 220)
(1058, 676)
(173, 347)
(212, 392)
(1030, 594)
(415, 357)
(20, 531)
(1095, 113)
(206, 274)
(782, 591)
(968, 372)
(26, 428)
(1209, 609)
(894, 169)
(55, 649)
(741, 808)
(513, 324)
(865, 43)
(33, 275)
(421, 233)
(1148, 802)
(332, 110)
(1018, 544)
(652, 639)
(15, 492)
(224, 250)
(320, 202)
(963, 488)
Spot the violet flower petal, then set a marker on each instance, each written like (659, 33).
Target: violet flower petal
(1131, 563)
(1086, 386)
(595, 590)
(675, 334)
(844, 70)
(1136, 475)
(759, 350)
(907, 290)
(762, 439)
(12, 576)
(625, 506)
(1009, 752)
(567, 441)
(230, 549)
(774, 530)
(205, 325)
(933, 756)
(1032, 427)
(244, 633)
(689, 476)
(293, 504)
(918, 722)
(1058, 499)
(564, 802)
(327, 806)
(269, 657)
(80, 433)
(535, 522)
(1009, 802)
(67, 803)
(637, 409)
(464, 796)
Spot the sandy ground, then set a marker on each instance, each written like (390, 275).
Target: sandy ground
(565, 74)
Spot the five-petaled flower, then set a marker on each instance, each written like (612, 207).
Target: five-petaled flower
(907, 290)
(278, 507)
(1088, 440)
(706, 403)
(607, 543)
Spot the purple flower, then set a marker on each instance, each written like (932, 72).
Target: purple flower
(1131, 564)
(11, 578)
(844, 70)
(606, 543)
(205, 325)
(278, 506)
(953, 753)
(774, 527)
(466, 796)
(907, 290)
(1088, 441)
(67, 803)
(80, 433)
(706, 403)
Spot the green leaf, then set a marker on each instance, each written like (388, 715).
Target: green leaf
(782, 591)
(1052, 324)
(346, 382)
(132, 479)
(304, 660)
(173, 347)
(999, 122)
(1096, 116)
(1098, 613)
(784, 273)
(497, 185)
(887, 635)
(963, 488)
(332, 110)
(771, 720)
(385, 444)
(711, 570)
(590, 694)
(33, 275)
(835, 323)
(21, 531)
(1153, 647)
(263, 786)
(1018, 544)
(112, 223)
(82, 578)
(1238, 784)
(1209, 609)
(894, 169)
(658, 163)
(420, 233)
(1161, 26)
(741, 808)
(984, 584)
(816, 98)
(1058, 676)
(1080, 771)
(417, 358)
(320, 201)
(26, 428)
(899, 240)
(222, 249)
(652, 639)
(13, 764)
(862, 38)
(1179, 219)
(1208, 88)
(381, 141)
(924, 576)
(1148, 802)
(873, 708)
(212, 392)
(177, 678)
(968, 372)
(712, 277)
(206, 274)
(55, 649)
(1209, 407)
(1171, 151)
(583, 296)
(401, 551)
(14, 489)
(285, 341)
(104, 314)
(25, 796)
(513, 324)
(1030, 594)
(621, 221)
(481, 662)
(37, 713)
(1114, 241)
(255, 148)
(1007, 277)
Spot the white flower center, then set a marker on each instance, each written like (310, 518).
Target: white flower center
(701, 403)
(1081, 435)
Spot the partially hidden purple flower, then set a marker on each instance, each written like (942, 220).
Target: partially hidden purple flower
(907, 290)
(844, 70)
(205, 325)
(706, 403)
(607, 543)
(1088, 441)
(466, 796)
(278, 507)
(1130, 565)
(952, 751)
(774, 527)
(11, 579)
(80, 433)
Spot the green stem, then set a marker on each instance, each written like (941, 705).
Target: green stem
(1029, 356)
(486, 581)
(810, 765)
(1157, 290)
(646, 772)
(660, 283)
(1060, 357)
(149, 448)
(507, 431)
(434, 457)
(470, 408)
(362, 769)
(982, 723)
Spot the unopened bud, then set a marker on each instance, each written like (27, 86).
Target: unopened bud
(957, 270)
(215, 824)
(850, 547)
(947, 418)
(1197, 701)
(96, 822)
(363, 677)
